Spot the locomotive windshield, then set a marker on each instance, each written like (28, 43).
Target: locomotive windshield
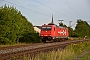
(46, 28)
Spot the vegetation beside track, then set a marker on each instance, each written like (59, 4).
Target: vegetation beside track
(16, 44)
(69, 53)
(14, 27)
(85, 57)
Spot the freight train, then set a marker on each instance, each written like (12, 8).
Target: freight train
(53, 33)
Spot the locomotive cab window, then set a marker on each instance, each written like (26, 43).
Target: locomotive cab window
(46, 28)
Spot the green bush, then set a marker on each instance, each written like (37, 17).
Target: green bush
(13, 26)
(5, 41)
(30, 38)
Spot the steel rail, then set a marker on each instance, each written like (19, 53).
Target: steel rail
(34, 49)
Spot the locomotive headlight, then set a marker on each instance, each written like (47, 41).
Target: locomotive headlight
(41, 35)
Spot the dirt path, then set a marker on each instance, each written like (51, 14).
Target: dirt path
(82, 54)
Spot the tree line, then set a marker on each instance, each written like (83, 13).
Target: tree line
(14, 27)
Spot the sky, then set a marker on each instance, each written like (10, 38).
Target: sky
(40, 12)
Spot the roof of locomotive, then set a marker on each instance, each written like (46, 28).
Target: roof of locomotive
(54, 25)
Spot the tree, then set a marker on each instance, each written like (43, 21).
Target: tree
(63, 25)
(13, 25)
(82, 28)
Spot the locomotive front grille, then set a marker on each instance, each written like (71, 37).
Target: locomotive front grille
(46, 37)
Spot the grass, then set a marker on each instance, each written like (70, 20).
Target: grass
(53, 55)
(85, 57)
(69, 53)
(17, 44)
(74, 38)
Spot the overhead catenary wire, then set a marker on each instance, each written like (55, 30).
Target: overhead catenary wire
(41, 9)
(61, 8)
(27, 8)
(37, 8)
(69, 5)
(53, 9)
(42, 13)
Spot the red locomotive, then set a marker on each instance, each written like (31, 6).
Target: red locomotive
(52, 32)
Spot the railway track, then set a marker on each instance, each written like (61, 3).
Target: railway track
(32, 49)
